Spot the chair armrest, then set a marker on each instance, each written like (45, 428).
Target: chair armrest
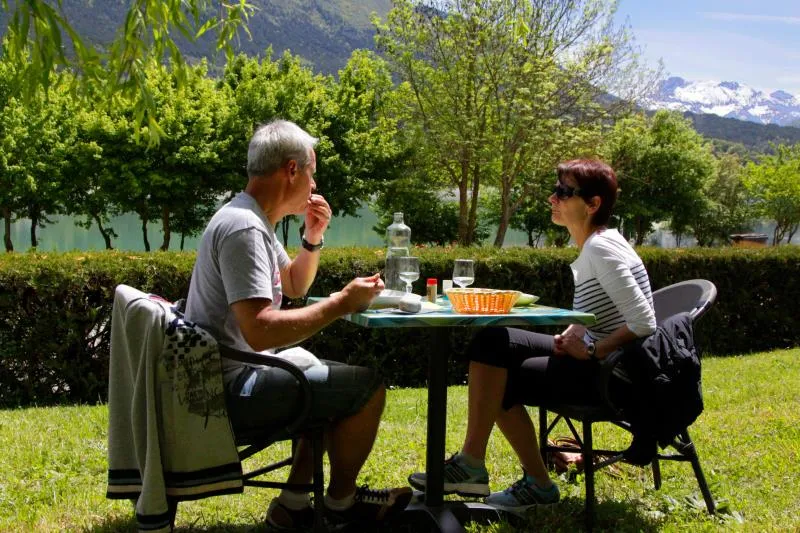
(268, 360)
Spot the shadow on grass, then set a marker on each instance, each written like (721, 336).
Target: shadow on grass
(567, 516)
(123, 525)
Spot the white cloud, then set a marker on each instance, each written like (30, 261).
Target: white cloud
(717, 55)
(739, 17)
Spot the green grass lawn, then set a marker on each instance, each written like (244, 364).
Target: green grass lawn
(53, 464)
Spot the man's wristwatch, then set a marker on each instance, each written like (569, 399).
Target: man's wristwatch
(591, 348)
(312, 247)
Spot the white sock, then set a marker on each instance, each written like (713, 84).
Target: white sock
(294, 500)
(339, 505)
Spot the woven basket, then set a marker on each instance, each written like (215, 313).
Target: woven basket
(482, 301)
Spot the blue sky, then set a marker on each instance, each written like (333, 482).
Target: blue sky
(753, 42)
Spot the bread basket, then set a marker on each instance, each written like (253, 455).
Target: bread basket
(474, 301)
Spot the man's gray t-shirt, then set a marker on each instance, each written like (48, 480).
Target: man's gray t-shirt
(239, 258)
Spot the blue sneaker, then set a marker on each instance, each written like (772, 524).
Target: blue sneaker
(523, 495)
(459, 478)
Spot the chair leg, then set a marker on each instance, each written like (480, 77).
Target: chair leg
(318, 448)
(690, 450)
(656, 473)
(588, 469)
(543, 434)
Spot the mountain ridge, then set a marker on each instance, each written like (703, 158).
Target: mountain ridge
(729, 99)
(325, 32)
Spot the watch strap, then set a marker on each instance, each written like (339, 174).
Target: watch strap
(312, 247)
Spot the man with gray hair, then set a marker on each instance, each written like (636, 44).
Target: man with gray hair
(240, 275)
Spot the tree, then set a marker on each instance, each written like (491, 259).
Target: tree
(663, 166)
(193, 165)
(503, 89)
(39, 39)
(774, 184)
(34, 142)
(729, 207)
(360, 140)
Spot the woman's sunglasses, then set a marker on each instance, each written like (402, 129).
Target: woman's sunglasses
(564, 192)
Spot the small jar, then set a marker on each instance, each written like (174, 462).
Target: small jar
(431, 287)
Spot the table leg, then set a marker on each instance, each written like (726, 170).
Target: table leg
(447, 517)
(437, 418)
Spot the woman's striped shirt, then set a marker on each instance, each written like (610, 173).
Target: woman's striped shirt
(612, 283)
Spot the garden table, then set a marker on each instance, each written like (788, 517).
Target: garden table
(446, 515)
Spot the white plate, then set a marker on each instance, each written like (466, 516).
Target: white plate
(389, 298)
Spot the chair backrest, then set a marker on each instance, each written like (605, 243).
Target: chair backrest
(694, 296)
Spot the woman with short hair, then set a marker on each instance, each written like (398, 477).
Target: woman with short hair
(511, 368)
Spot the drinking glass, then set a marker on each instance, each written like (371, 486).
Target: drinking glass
(409, 270)
(464, 272)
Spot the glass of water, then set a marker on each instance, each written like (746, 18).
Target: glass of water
(464, 272)
(408, 267)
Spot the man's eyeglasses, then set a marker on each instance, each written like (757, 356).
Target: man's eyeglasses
(564, 192)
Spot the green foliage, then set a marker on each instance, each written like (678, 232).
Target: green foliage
(55, 308)
(36, 139)
(38, 36)
(54, 318)
(775, 184)
(503, 90)
(754, 137)
(431, 214)
(662, 164)
(54, 465)
(728, 208)
(359, 139)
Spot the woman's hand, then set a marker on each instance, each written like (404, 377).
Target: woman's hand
(570, 344)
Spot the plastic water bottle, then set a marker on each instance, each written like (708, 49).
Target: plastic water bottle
(398, 241)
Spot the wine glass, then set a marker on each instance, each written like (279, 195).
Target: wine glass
(464, 272)
(409, 270)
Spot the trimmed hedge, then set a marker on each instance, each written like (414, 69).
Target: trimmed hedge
(55, 308)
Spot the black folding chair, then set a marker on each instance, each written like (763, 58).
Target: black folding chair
(256, 441)
(694, 296)
(152, 314)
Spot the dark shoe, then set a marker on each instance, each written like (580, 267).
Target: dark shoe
(281, 518)
(372, 505)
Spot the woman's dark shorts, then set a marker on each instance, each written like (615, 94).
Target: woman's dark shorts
(265, 398)
(536, 376)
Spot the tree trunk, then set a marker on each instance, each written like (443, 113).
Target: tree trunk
(7, 234)
(34, 223)
(165, 228)
(143, 217)
(285, 231)
(463, 214)
(777, 235)
(106, 235)
(530, 238)
(640, 223)
(505, 217)
(183, 239)
(678, 238)
(792, 230)
(473, 208)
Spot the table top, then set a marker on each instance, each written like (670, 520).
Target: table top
(533, 315)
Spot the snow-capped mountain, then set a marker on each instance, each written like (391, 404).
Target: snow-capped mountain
(728, 99)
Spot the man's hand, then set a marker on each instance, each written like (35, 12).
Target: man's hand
(318, 215)
(357, 295)
(572, 345)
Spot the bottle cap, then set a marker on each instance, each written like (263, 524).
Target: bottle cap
(432, 281)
